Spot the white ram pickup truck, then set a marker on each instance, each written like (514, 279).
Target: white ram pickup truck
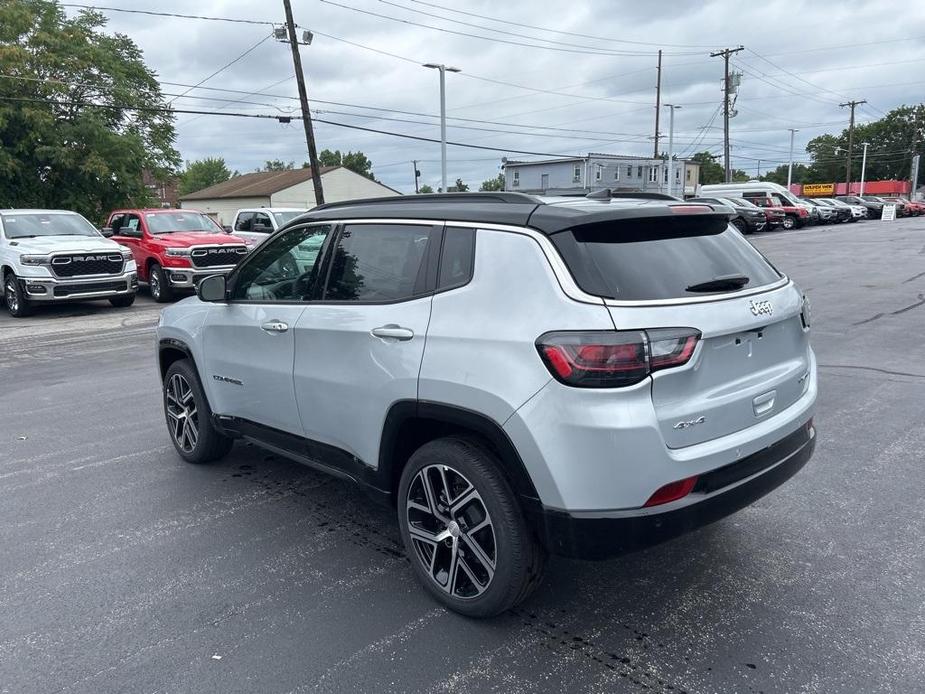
(256, 224)
(51, 256)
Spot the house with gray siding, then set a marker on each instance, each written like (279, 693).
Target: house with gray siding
(623, 173)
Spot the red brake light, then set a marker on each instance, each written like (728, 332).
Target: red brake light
(616, 358)
(690, 209)
(672, 491)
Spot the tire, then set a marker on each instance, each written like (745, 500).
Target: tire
(15, 298)
(788, 223)
(742, 226)
(123, 301)
(189, 417)
(498, 560)
(159, 284)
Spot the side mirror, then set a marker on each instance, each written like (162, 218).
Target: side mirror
(212, 289)
(106, 231)
(227, 228)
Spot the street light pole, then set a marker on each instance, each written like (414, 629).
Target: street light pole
(671, 146)
(790, 165)
(863, 169)
(443, 70)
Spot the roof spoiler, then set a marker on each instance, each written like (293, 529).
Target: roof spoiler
(480, 197)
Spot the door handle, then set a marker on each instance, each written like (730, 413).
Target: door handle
(274, 326)
(395, 332)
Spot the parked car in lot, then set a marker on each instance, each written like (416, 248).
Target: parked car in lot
(748, 218)
(842, 214)
(257, 223)
(826, 214)
(52, 256)
(456, 356)
(174, 249)
(798, 212)
(901, 209)
(914, 209)
(874, 209)
(852, 212)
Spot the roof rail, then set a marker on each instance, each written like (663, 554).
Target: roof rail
(480, 197)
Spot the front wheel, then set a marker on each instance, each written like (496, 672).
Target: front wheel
(464, 531)
(742, 226)
(160, 284)
(123, 301)
(788, 222)
(189, 418)
(16, 301)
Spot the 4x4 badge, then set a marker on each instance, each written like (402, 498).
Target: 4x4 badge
(761, 308)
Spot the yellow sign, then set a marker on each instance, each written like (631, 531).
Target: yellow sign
(819, 189)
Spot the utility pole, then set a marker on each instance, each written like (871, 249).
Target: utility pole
(790, 165)
(759, 169)
(658, 101)
(303, 99)
(852, 104)
(671, 147)
(726, 52)
(417, 174)
(863, 166)
(915, 176)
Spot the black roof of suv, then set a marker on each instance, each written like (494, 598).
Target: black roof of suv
(548, 216)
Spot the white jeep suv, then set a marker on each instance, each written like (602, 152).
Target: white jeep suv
(255, 224)
(51, 256)
(515, 376)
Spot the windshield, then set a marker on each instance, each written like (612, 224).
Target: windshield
(741, 202)
(283, 217)
(22, 226)
(872, 198)
(166, 222)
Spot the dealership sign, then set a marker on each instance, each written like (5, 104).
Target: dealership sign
(819, 189)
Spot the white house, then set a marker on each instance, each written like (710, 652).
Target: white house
(292, 188)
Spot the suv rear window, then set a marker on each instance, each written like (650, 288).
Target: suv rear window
(659, 258)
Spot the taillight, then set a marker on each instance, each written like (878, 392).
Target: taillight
(806, 313)
(672, 491)
(612, 359)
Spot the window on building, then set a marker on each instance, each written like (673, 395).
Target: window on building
(653, 174)
(576, 174)
(638, 172)
(516, 179)
(689, 174)
(616, 173)
(599, 173)
(677, 174)
(629, 171)
(666, 174)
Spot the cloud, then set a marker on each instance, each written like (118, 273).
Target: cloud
(803, 59)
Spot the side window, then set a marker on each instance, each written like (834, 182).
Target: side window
(243, 222)
(379, 262)
(285, 268)
(117, 222)
(263, 219)
(132, 221)
(457, 257)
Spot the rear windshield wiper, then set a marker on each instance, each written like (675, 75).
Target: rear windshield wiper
(723, 283)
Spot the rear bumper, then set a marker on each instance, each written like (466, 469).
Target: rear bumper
(50, 290)
(719, 493)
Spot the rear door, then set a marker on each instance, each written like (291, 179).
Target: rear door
(359, 350)
(753, 358)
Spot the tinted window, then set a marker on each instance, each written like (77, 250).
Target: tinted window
(264, 219)
(378, 262)
(456, 258)
(660, 258)
(243, 223)
(285, 268)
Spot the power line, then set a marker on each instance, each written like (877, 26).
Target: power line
(227, 65)
(167, 14)
(557, 31)
(444, 30)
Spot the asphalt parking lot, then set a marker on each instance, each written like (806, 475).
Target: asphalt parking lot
(123, 569)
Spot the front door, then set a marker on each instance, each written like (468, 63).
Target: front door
(249, 341)
(359, 349)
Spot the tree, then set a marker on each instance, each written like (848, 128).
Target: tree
(460, 187)
(277, 165)
(779, 175)
(202, 174)
(496, 183)
(710, 171)
(355, 161)
(426, 189)
(91, 117)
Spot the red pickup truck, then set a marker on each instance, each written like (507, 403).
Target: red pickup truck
(174, 249)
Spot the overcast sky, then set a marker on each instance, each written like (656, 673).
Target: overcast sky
(799, 64)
